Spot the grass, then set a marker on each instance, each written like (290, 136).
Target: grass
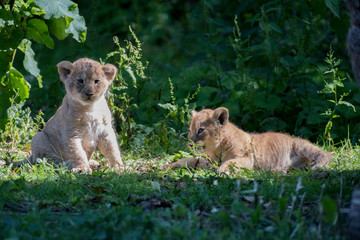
(48, 202)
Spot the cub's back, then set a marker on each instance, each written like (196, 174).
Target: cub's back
(272, 150)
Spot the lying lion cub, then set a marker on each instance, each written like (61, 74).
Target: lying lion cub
(233, 148)
(83, 121)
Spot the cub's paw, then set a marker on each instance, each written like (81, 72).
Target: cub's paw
(167, 166)
(94, 165)
(86, 170)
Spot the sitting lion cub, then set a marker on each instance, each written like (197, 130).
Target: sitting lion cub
(233, 148)
(83, 121)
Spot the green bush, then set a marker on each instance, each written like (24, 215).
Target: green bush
(22, 22)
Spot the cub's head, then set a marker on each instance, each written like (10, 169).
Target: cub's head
(205, 126)
(86, 80)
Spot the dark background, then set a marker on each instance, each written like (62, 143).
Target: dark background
(269, 82)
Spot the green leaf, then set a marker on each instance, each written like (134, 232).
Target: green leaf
(5, 104)
(37, 11)
(68, 10)
(58, 26)
(77, 27)
(347, 104)
(339, 83)
(55, 8)
(10, 34)
(333, 5)
(37, 30)
(29, 62)
(5, 60)
(208, 95)
(329, 209)
(276, 27)
(270, 103)
(17, 81)
(131, 73)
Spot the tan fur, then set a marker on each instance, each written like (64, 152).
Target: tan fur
(83, 121)
(234, 148)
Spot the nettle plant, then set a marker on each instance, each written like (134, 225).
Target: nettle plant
(129, 63)
(333, 82)
(21, 23)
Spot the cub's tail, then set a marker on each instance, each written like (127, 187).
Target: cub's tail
(312, 155)
(30, 160)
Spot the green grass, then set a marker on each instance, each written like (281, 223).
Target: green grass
(47, 202)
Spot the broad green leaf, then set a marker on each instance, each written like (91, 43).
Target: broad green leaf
(68, 10)
(29, 62)
(37, 30)
(55, 8)
(57, 26)
(17, 81)
(333, 5)
(77, 27)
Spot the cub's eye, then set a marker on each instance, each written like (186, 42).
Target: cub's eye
(97, 81)
(80, 81)
(200, 131)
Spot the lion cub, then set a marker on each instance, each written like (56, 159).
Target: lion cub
(83, 121)
(233, 148)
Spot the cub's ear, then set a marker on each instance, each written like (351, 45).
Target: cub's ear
(64, 68)
(109, 71)
(193, 113)
(221, 114)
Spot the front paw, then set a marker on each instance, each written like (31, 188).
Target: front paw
(82, 169)
(94, 165)
(167, 166)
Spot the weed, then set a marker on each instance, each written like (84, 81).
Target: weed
(331, 88)
(21, 127)
(129, 60)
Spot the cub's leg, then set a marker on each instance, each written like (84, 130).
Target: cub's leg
(307, 154)
(77, 156)
(236, 163)
(109, 147)
(194, 163)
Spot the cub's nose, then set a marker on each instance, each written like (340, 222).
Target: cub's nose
(89, 94)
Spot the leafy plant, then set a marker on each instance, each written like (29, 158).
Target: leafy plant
(331, 88)
(175, 113)
(22, 22)
(129, 60)
(21, 127)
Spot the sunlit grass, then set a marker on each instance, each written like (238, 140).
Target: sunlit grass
(52, 202)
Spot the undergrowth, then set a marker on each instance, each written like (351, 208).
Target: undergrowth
(44, 201)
